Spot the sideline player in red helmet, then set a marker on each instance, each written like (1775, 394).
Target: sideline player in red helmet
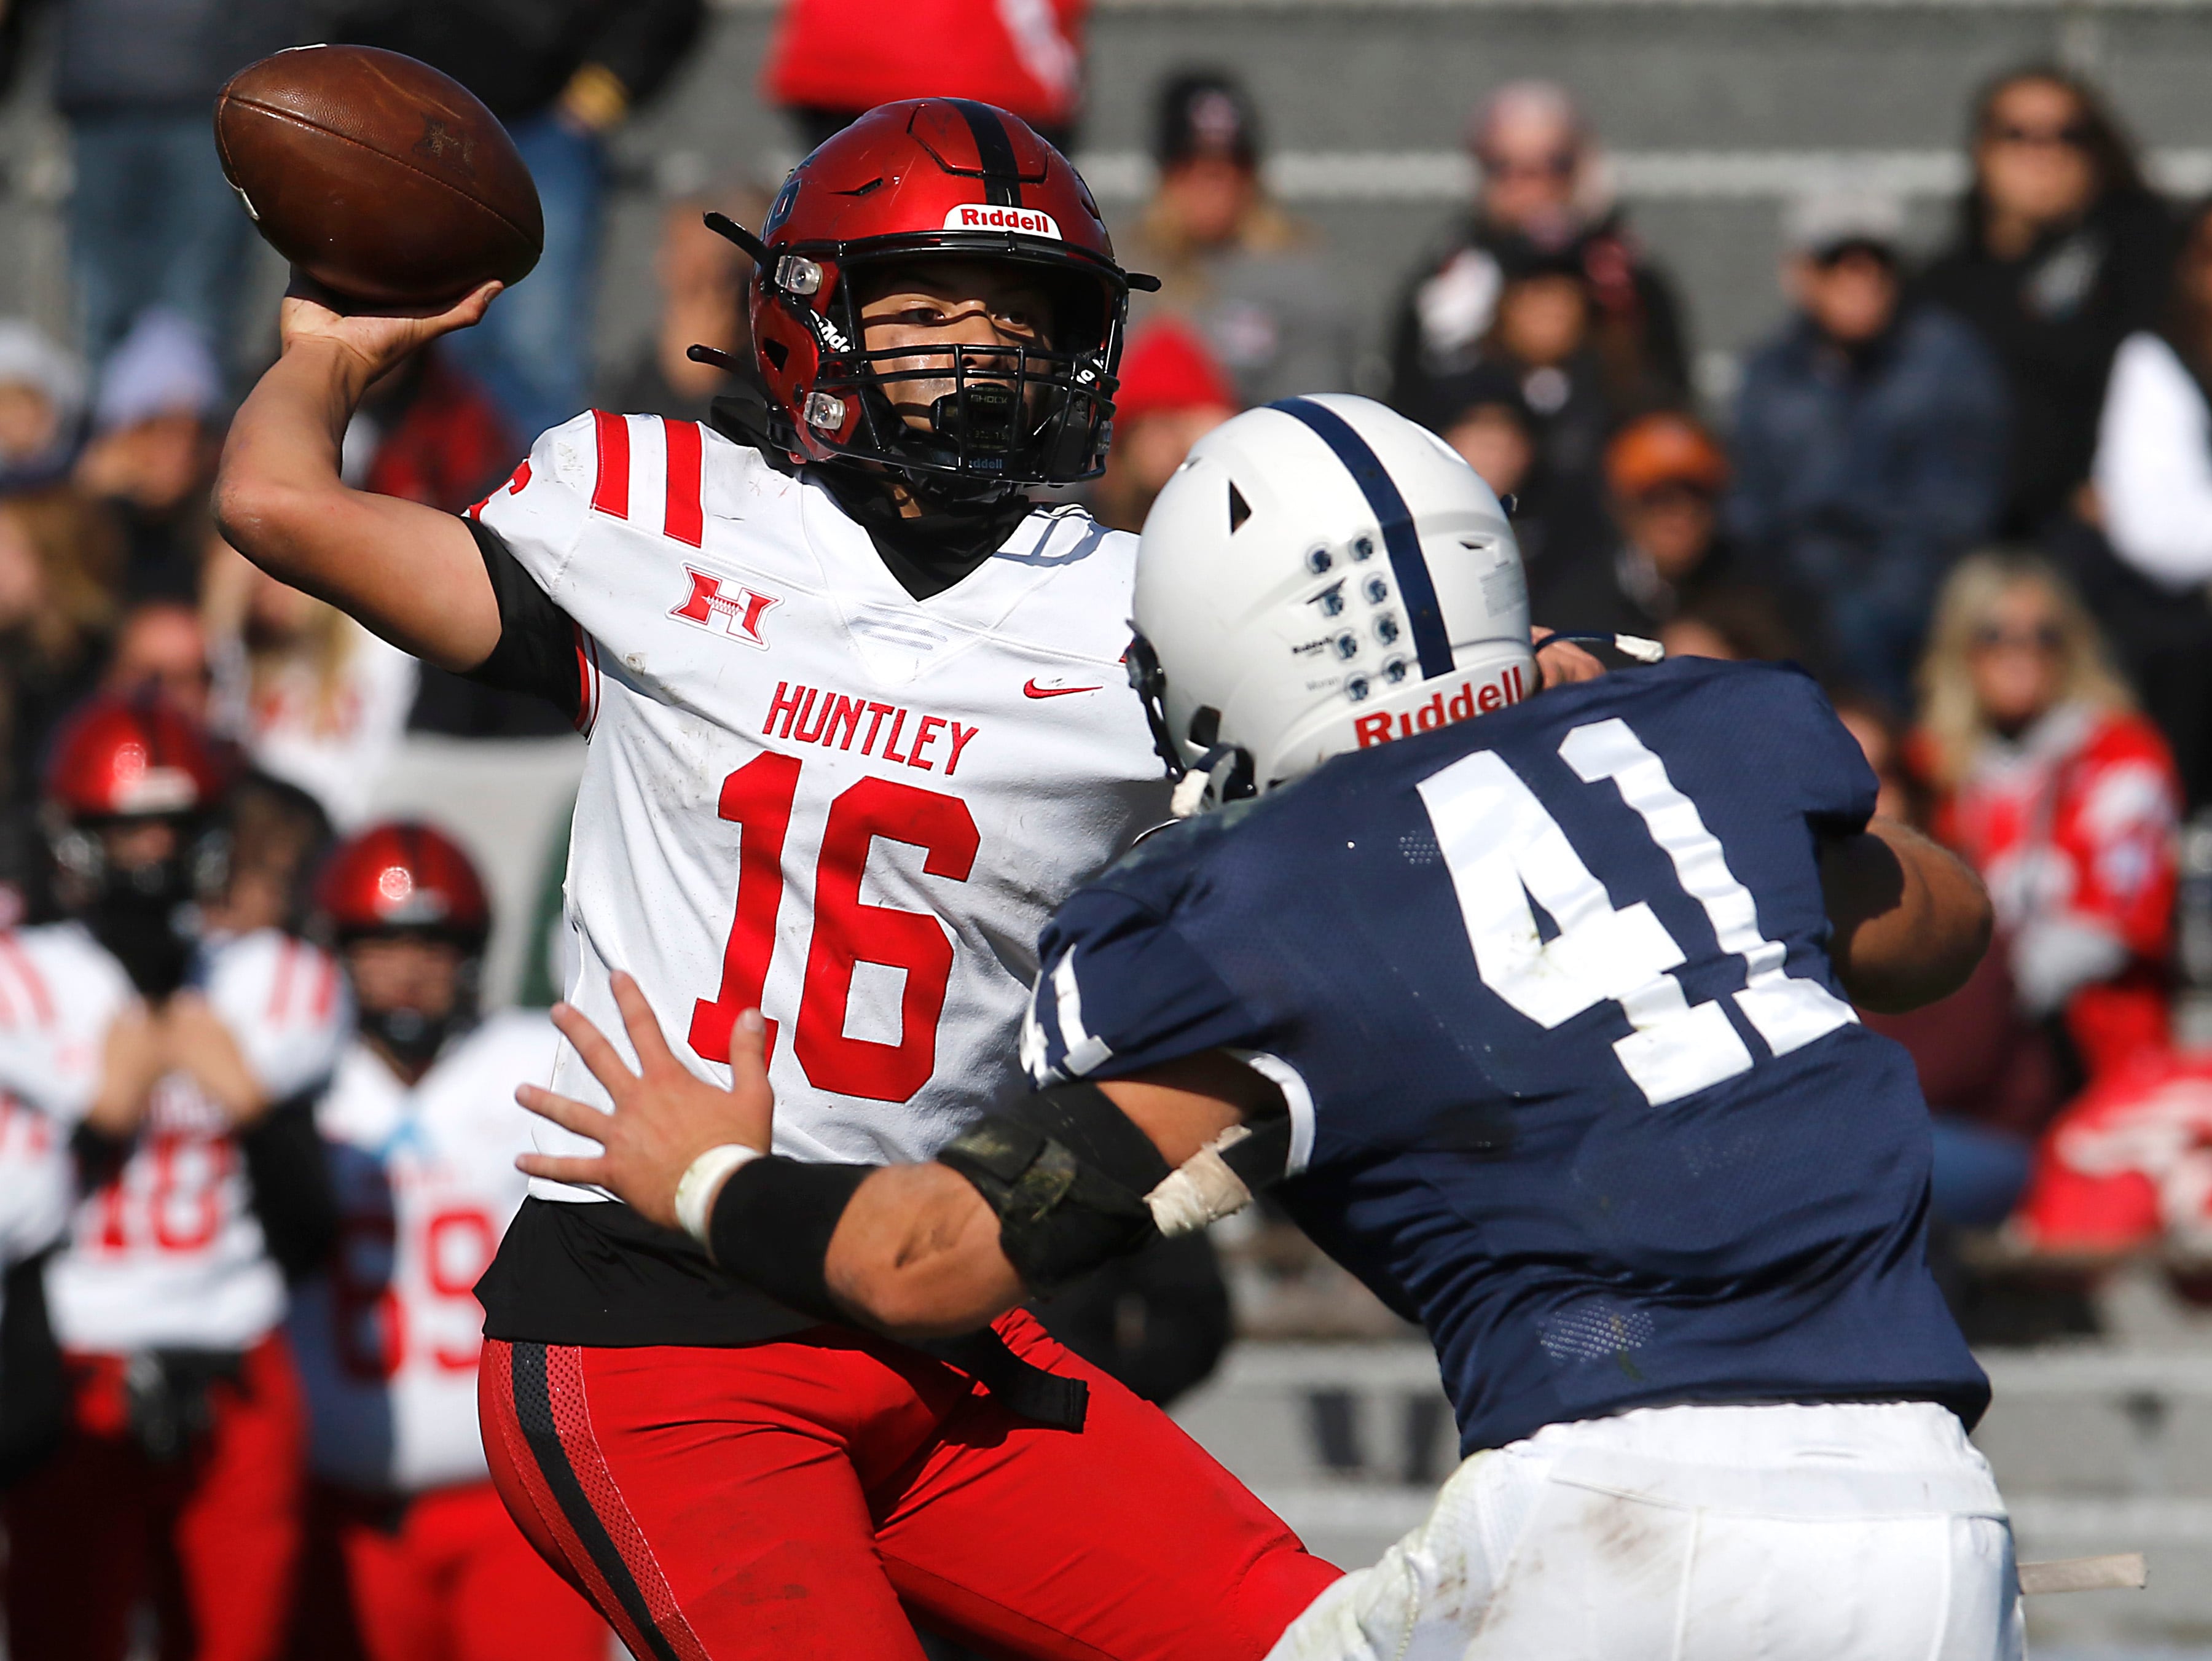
(410, 1551)
(858, 718)
(182, 1068)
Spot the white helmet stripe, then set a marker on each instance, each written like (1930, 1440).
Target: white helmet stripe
(1431, 641)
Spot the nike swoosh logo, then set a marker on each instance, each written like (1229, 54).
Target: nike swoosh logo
(1031, 689)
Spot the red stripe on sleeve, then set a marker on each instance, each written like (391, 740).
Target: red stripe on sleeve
(686, 520)
(610, 490)
(34, 985)
(280, 993)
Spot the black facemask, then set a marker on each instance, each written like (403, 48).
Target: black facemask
(147, 932)
(412, 1038)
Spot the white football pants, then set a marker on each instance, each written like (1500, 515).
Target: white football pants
(1819, 1533)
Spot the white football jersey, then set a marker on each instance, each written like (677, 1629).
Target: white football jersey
(810, 792)
(387, 1341)
(169, 1253)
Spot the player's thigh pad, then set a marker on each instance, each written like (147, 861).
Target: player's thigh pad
(1558, 1548)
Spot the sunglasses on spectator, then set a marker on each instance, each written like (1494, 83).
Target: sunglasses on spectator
(2074, 136)
(2044, 637)
(1561, 164)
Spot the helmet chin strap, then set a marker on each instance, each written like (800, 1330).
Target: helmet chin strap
(1222, 775)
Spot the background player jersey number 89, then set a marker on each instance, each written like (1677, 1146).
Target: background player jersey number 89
(758, 797)
(1501, 846)
(368, 1315)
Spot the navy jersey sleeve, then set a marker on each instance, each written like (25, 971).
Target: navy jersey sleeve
(1122, 990)
(1839, 787)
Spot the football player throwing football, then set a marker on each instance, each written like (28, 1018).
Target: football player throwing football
(858, 718)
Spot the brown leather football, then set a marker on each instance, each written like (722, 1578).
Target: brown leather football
(377, 175)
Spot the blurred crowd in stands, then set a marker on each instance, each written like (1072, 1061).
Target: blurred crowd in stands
(1972, 491)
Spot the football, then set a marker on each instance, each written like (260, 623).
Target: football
(378, 176)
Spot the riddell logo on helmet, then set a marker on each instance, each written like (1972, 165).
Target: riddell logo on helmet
(1026, 220)
(1464, 705)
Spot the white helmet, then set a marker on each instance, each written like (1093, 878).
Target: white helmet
(1321, 575)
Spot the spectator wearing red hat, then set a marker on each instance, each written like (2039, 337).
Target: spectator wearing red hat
(1250, 280)
(1172, 395)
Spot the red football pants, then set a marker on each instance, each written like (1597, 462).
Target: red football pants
(212, 1540)
(783, 1500)
(444, 1576)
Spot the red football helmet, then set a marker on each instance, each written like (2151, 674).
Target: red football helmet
(403, 876)
(947, 177)
(119, 758)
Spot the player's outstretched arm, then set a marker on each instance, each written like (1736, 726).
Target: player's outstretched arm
(409, 572)
(913, 1250)
(1911, 919)
(920, 1253)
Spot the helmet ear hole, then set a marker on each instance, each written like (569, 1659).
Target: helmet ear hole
(1239, 509)
(1206, 726)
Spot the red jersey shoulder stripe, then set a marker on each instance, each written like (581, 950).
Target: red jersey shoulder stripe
(513, 488)
(686, 516)
(280, 992)
(610, 490)
(32, 983)
(326, 989)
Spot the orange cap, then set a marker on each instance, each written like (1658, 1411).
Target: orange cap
(1661, 449)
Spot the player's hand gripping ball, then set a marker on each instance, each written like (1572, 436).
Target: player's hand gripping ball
(377, 176)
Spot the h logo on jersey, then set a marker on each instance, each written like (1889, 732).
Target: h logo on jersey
(736, 614)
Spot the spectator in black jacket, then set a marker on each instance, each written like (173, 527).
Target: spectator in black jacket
(1540, 197)
(1541, 343)
(2061, 252)
(1664, 476)
(562, 74)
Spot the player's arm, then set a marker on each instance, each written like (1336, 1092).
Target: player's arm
(1911, 919)
(409, 572)
(922, 1251)
(916, 1251)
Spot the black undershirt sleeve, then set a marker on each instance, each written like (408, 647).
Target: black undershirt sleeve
(290, 1180)
(538, 644)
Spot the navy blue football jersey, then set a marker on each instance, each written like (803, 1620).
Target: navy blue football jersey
(1571, 1079)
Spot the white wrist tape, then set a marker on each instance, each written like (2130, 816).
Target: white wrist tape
(1201, 1190)
(702, 1179)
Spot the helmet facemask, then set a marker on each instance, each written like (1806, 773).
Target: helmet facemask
(145, 912)
(996, 416)
(411, 1031)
